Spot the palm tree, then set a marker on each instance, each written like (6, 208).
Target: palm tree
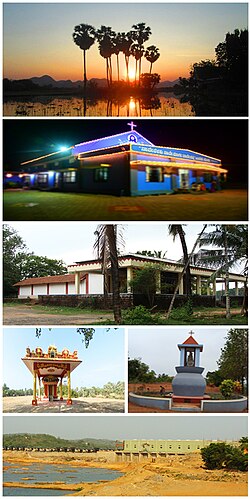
(185, 266)
(126, 42)
(174, 231)
(106, 244)
(106, 36)
(140, 33)
(152, 54)
(84, 36)
(230, 242)
(137, 52)
(117, 48)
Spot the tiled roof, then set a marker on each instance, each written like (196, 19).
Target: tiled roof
(50, 279)
(190, 341)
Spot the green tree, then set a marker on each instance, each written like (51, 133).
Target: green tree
(14, 252)
(233, 361)
(226, 247)
(221, 455)
(20, 264)
(140, 372)
(40, 266)
(214, 378)
(145, 281)
(84, 37)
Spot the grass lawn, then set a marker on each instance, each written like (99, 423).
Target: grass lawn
(228, 205)
(18, 313)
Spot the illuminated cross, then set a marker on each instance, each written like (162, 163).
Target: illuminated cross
(132, 125)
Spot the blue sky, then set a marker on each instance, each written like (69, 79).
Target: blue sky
(102, 361)
(132, 426)
(158, 347)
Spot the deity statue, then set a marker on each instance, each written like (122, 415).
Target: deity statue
(190, 360)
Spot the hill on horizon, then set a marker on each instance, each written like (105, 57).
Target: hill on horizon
(50, 441)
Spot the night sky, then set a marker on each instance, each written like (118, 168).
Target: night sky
(226, 139)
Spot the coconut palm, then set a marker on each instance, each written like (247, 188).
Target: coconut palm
(229, 249)
(140, 34)
(174, 231)
(84, 36)
(106, 246)
(152, 54)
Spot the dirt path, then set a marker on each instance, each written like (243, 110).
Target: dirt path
(28, 315)
(82, 405)
(170, 476)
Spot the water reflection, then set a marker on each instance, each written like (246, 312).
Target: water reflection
(157, 105)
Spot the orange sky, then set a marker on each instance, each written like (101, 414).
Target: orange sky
(38, 37)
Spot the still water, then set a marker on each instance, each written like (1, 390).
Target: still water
(49, 473)
(159, 105)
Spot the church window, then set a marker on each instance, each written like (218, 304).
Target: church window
(101, 174)
(154, 174)
(69, 177)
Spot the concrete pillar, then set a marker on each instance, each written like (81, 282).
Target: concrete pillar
(182, 357)
(129, 278)
(236, 288)
(69, 400)
(198, 285)
(208, 290)
(34, 401)
(39, 388)
(60, 387)
(181, 289)
(158, 282)
(77, 283)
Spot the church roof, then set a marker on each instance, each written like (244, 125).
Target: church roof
(50, 279)
(192, 342)
(125, 138)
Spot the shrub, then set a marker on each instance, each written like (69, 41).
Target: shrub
(227, 388)
(183, 312)
(139, 315)
(221, 455)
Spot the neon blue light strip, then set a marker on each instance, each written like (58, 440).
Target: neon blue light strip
(174, 153)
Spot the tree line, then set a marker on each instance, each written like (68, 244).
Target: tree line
(110, 43)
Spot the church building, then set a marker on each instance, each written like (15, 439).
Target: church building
(125, 164)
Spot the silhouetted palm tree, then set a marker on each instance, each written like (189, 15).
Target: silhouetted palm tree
(84, 36)
(152, 54)
(126, 42)
(106, 36)
(117, 48)
(137, 52)
(140, 34)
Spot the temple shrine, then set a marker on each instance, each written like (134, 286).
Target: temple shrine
(124, 164)
(49, 369)
(189, 385)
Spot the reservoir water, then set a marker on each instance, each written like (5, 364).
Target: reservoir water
(36, 473)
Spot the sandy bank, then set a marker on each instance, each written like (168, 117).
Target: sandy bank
(171, 476)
